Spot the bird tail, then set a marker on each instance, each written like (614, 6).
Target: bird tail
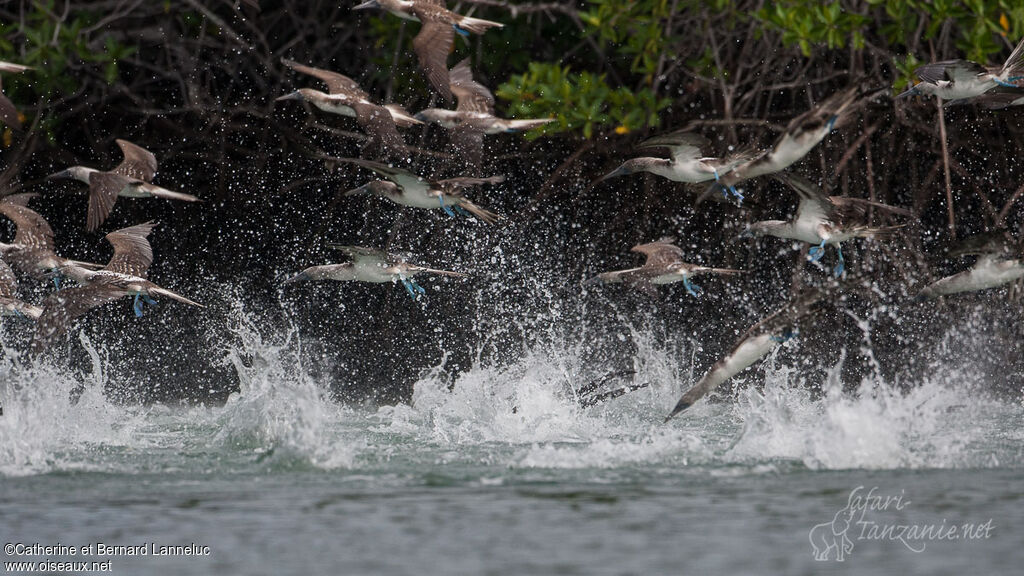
(171, 194)
(173, 296)
(522, 125)
(401, 116)
(86, 265)
(482, 214)
(443, 272)
(476, 25)
(721, 271)
(878, 233)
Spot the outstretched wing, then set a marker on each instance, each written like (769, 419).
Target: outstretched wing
(660, 253)
(138, 162)
(431, 46)
(60, 310)
(379, 124)
(814, 204)
(336, 83)
(103, 190)
(399, 176)
(32, 229)
(361, 255)
(132, 252)
(471, 95)
(8, 282)
(684, 146)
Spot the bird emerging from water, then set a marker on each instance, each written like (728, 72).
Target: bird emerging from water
(473, 117)
(374, 266)
(345, 97)
(690, 161)
(756, 342)
(132, 178)
(124, 275)
(437, 34)
(826, 220)
(32, 251)
(962, 79)
(8, 113)
(407, 189)
(1000, 261)
(10, 304)
(664, 265)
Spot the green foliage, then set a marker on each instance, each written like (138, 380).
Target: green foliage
(634, 27)
(581, 102)
(807, 23)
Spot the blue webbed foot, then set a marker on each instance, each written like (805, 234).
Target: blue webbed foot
(444, 207)
(691, 288)
(1006, 84)
(815, 253)
(736, 193)
(841, 265)
(408, 288)
(148, 300)
(137, 306)
(460, 31)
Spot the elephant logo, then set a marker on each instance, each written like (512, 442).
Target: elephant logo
(830, 537)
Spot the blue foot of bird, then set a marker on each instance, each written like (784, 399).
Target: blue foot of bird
(461, 31)
(444, 207)
(1006, 84)
(691, 288)
(19, 314)
(148, 300)
(841, 265)
(414, 289)
(815, 253)
(786, 336)
(137, 305)
(736, 193)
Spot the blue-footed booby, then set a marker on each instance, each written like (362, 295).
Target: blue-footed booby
(10, 304)
(690, 160)
(124, 275)
(960, 79)
(372, 265)
(1000, 261)
(132, 178)
(756, 342)
(664, 265)
(801, 135)
(437, 34)
(345, 97)
(826, 220)
(8, 113)
(473, 116)
(408, 189)
(32, 251)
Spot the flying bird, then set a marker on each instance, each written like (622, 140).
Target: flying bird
(756, 342)
(664, 265)
(434, 42)
(690, 161)
(32, 251)
(960, 79)
(826, 220)
(345, 97)
(124, 275)
(10, 304)
(8, 113)
(1000, 261)
(132, 178)
(372, 265)
(405, 188)
(473, 116)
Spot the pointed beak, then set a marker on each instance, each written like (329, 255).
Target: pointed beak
(300, 277)
(293, 96)
(912, 91)
(620, 171)
(421, 117)
(63, 174)
(367, 5)
(364, 189)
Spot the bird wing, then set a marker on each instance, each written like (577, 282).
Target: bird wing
(138, 162)
(815, 205)
(468, 143)
(379, 124)
(361, 255)
(60, 310)
(336, 83)
(1015, 61)
(659, 253)
(132, 251)
(684, 146)
(32, 229)
(432, 45)
(8, 113)
(854, 210)
(471, 95)
(8, 281)
(103, 190)
(949, 70)
(399, 176)
(456, 185)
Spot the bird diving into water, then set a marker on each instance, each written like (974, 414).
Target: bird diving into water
(801, 135)
(408, 189)
(664, 265)
(473, 117)
(1000, 261)
(132, 178)
(962, 79)
(437, 34)
(756, 342)
(345, 97)
(374, 266)
(826, 220)
(8, 113)
(10, 304)
(124, 275)
(32, 251)
(690, 161)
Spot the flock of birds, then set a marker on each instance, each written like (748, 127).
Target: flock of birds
(820, 220)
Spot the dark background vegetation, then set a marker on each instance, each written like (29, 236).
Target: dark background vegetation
(195, 82)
